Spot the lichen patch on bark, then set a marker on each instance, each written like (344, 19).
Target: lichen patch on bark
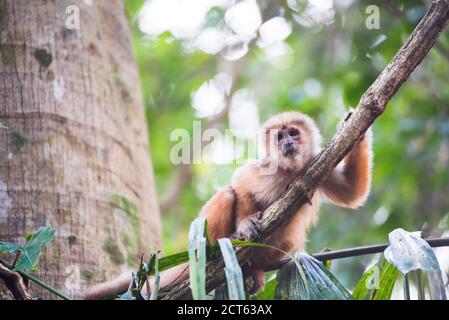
(112, 249)
(59, 88)
(17, 141)
(44, 58)
(7, 54)
(5, 202)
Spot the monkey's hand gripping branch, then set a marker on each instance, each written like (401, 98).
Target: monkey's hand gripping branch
(371, 106)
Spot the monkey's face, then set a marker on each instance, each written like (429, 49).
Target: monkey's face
(288, 140)
(290, 144)
(291, 139)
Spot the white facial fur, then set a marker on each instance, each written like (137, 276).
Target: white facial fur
(309, 140)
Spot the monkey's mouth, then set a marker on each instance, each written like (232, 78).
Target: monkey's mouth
(288, 151)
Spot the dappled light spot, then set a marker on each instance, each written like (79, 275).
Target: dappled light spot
(314, 13)
(183, 19)
(244, 18)
(244, 114)
(274, 31)
(211, 40)
(209, 99)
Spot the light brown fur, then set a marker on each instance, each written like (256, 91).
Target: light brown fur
(251, 192)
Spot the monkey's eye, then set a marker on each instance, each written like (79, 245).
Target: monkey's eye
(280, 136)
(292, 132)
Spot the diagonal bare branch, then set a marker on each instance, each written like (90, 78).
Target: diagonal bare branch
(372, 104)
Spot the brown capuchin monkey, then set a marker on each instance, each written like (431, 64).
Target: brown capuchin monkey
(290, 140)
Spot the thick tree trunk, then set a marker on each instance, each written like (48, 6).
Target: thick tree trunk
(76, 137)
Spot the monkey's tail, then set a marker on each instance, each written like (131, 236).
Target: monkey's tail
(172, 276)
(103, 290)
(168, 278)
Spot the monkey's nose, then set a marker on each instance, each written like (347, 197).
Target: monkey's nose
(287, 148)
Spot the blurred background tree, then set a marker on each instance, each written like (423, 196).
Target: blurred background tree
(231, 64)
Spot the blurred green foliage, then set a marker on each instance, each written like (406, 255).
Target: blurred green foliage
(410, 185)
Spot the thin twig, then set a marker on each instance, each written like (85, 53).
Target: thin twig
(358, 251)
(37, 281)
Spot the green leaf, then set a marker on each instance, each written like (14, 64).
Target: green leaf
(197, 259)
(234, 277)
(388, 276)
(211, 250)
(408, 251)
(127, 206)
(32, 249)
(244, 243)
(10, 247)
(361, 291)
(126, 296)
(2, 126)
(157, 280)
(171, 261)
(140, 279)
(316, 282)
(377, 282)
(268, 292)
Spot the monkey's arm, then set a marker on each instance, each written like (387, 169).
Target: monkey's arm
(348, 186)
(219, 212)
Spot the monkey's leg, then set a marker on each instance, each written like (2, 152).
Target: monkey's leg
(250, 229)
(258, 277)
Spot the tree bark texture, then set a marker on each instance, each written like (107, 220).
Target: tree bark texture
(372, 104)
(76, 136)
(12, 285)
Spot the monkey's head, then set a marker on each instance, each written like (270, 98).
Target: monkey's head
(291, 138)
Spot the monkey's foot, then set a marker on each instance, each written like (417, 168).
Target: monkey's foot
(249, 229)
